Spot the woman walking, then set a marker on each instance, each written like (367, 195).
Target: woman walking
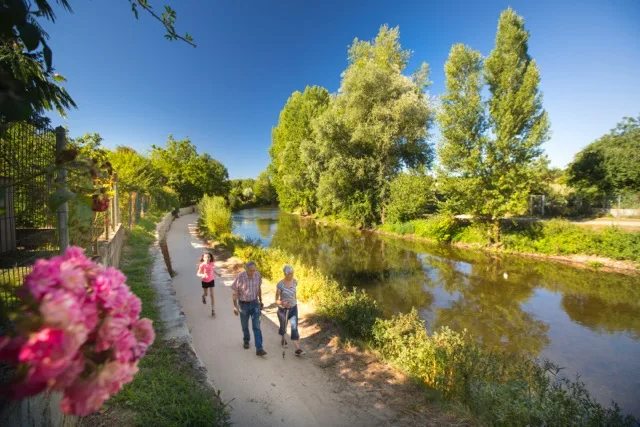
(288, 308)
(206, 274)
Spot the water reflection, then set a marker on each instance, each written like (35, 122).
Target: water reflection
(586, 321)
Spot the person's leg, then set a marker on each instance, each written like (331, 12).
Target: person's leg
(255, 320)
(213, 300)
(244, 321)
(293, 321)
(204, 293)
(281, 319)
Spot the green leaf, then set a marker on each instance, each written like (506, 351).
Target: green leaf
(61, 196)
(30, 35)
(48, 57)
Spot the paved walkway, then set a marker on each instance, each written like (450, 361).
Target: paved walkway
(264, 391)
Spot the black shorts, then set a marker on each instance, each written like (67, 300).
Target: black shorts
(211, 284)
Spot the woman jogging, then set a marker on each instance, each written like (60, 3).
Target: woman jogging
(288, 308)
(206, 274)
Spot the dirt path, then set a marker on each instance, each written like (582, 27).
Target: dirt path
(264, 391)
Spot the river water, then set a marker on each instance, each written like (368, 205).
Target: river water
(587, 322)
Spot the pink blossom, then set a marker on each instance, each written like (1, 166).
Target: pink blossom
(90, 313)
(143, 330)
(115, 374)
(26, 389)
(124, 347)
(87, 395)
(49, 352)
(111, 331)
(44, 276)
(84, 396)
(69, 376)
(60, 309)
(75, 257)
(109, 288)
(133, 307)
(73, 279)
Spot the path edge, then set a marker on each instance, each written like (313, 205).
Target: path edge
(177, 332)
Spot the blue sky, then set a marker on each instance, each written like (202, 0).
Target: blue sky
(135, 88)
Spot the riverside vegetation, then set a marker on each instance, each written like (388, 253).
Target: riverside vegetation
(499, 389)
(554, 237)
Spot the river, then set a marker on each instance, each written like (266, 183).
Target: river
(587, 322)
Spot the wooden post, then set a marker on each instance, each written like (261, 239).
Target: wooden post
(61, 180)
(130, 209)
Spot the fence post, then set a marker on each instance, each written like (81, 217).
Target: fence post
(116, 202)
(543, 200)
(61, 180)
(130, 209)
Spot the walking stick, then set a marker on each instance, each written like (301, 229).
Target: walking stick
(284, 339)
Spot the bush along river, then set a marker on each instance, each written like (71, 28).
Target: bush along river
(585, 321)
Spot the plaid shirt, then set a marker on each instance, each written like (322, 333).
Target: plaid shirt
(247, 289)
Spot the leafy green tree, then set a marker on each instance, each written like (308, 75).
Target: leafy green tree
(264, 190)
(189, 174)
(292, 171)
(611, 163)
(411, 195)
(29, 84)
(376, 125)
(489, 151)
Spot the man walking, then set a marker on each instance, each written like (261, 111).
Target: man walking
(247, 301)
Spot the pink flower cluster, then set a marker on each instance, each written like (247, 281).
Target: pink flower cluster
(80, 334)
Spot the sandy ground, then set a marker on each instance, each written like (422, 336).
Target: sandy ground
(330, 386)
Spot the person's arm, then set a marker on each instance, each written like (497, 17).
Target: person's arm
(278, 296)
(234, 296)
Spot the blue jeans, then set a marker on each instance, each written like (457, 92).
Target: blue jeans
(293, 321)
(251, 309)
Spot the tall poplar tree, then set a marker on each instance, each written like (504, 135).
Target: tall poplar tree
(497, 165)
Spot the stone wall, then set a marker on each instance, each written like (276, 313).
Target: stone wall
(111, 251)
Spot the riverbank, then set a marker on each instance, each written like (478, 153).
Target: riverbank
(497, 388)
(170, 388)
(557, 240)
(335, 383)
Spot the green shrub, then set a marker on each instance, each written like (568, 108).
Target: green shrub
(216, 215)
(476, 233)
(357, 313)
(401, 228)
(440, 228)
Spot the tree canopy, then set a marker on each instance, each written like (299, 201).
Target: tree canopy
(611, 163)
(345, 149)
(490, 149)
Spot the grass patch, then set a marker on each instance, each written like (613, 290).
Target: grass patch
(165, 392)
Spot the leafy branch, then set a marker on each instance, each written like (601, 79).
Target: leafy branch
(168, 19)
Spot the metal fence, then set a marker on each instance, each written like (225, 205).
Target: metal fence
(28, 228)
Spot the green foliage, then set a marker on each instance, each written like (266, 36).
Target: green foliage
(611, 163)
(376, 125)
(499, 389)
(490, 150)
(337, 155)
(189, 174)
(401, 228)
(411, 196)
(264, 191)
(216, 215)
(293, 157)
(560, 237)
(356, 315)
(440, 228)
